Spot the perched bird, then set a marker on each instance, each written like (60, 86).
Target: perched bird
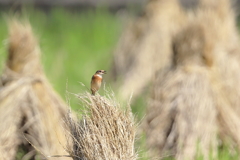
(97, 81)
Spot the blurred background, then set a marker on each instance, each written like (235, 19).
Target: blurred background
(78, 37)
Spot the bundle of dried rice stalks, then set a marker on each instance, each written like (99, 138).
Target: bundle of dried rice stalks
(145, 46)
(30, 110)
(198, 99)
(106, 131)
(223, 44)
(182, 113)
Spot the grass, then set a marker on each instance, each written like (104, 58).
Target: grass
(76, 44)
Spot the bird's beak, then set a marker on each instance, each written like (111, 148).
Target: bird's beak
(105, 72)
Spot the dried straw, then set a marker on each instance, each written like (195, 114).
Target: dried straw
(105, 132)
(29, 107)
(183, 101)
(198, 99)
(223, 42)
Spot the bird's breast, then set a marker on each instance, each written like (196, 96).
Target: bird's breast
(96, 81)
(97, 78)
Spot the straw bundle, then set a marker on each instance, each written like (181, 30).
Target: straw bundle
(106, 131)
(30, 110)
(145, 46)
(198, 99)
(182, 114)
(223, 39)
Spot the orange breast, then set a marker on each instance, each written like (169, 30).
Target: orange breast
(96, 79)
(96, 82)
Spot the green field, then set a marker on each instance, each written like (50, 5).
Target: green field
(76, 44)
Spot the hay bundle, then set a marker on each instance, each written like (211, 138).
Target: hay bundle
(106, 132)
(198, 99)
(145, 46)
(223, 42)
(29, 107)
(182, 112)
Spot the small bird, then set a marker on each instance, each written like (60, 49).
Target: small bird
(97, 81)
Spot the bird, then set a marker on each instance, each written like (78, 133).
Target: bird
(97, 81)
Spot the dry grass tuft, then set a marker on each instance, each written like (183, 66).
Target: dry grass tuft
(106, 131)
(29, 107)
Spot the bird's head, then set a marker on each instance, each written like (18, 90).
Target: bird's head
(101, 72)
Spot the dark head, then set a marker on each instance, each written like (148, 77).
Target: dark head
(101, 72)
